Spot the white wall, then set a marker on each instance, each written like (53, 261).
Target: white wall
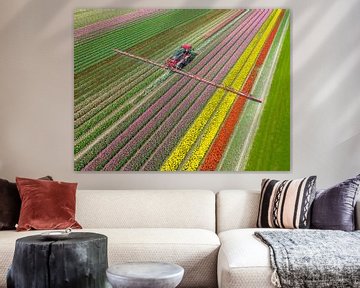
(36, 90)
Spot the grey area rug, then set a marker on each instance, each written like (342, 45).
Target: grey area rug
(313, 258)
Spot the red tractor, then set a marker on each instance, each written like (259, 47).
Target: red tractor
(181, 57)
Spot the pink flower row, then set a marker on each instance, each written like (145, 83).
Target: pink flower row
(223, 24)
(116, 21)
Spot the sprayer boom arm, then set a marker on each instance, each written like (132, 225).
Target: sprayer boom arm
(192, 76)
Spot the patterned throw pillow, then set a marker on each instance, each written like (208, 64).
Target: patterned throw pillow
(286, 204)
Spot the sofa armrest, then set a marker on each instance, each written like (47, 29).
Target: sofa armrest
(236, 209)
(357, 215)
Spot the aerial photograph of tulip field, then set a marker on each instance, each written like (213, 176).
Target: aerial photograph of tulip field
(181, 89)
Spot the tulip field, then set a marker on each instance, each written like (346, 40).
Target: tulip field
(134, 116)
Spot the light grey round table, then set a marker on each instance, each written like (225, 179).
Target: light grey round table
(145, 275)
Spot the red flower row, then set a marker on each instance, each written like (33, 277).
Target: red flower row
(217, 149)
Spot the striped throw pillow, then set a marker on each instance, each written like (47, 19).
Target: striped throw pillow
(286, 204)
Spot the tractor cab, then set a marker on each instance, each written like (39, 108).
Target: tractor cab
(187, 48)
(183, 56)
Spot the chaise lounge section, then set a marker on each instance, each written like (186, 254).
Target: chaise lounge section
(244, 260)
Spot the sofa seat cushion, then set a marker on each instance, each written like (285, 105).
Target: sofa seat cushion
(194, 249)
(244, 261)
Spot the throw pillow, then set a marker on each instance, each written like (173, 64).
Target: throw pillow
(334, 208)
(46, 204)
(10, 204)
(286, 204)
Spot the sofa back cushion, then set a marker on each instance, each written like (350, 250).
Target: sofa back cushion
(146, 209)
(236, 209)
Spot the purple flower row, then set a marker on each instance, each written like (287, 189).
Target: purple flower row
(89, 109)
(164, 149)
(129, 133)
(156, 138)
(223, 23)
(119, 20)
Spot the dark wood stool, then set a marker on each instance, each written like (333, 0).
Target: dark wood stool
(79, 261)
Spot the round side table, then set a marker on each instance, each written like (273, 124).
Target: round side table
(145, 275)
(78, 261)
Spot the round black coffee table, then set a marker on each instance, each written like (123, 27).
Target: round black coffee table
(145, 275)
(80, 261)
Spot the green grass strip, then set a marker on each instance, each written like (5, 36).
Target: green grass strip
(234, 151)
(270, 149)
(100, 48)
(84, 17)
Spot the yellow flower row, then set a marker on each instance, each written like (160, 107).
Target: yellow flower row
(207, 137)
(212, 129)
(177, 156)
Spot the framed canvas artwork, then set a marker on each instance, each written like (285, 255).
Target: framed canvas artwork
(181, 90)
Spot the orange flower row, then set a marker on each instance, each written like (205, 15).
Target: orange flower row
(217, 150)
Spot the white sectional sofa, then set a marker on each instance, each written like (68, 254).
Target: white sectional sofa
(177, 226)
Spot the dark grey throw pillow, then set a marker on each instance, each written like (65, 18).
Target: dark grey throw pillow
(10, 204)
(334, 208)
